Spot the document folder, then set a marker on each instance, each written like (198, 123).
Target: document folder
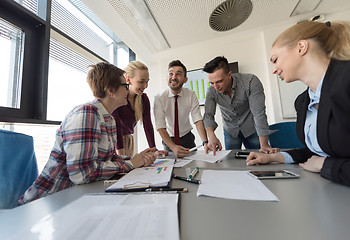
(144, 178)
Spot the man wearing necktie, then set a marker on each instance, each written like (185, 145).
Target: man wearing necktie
(172, 110)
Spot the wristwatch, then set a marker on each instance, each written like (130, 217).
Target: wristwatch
(204, 143)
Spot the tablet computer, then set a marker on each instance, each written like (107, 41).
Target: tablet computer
(272, 174)
(241, 154)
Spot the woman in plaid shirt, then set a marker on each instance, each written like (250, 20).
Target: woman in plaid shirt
(84, 150)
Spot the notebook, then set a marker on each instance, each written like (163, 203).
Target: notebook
(145, 177)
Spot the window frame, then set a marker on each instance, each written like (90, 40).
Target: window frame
(35, 64)
(34, 92)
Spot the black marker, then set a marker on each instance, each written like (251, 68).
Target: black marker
(188, 179)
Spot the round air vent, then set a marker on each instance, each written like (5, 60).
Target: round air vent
(230, 14)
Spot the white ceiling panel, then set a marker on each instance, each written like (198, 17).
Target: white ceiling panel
(185, 22)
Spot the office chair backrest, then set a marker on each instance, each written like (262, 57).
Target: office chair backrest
(18, 167)
(286, 136)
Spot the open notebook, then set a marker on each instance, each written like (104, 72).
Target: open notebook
(156, 176)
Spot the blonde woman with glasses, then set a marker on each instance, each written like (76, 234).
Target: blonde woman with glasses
(137, 109)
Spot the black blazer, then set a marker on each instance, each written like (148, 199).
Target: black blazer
(333, 123)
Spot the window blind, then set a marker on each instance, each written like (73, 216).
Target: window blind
(10, 31)
(64, 54)
(66, 22)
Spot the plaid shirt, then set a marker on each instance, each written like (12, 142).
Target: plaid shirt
(84, 152)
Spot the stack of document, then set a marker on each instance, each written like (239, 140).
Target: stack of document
(110, 216)
(147, 177)
(233, 185)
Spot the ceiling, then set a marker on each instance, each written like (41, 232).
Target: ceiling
(186, 22)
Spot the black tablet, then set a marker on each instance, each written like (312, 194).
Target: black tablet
(272, 174)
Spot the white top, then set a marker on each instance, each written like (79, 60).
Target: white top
(164, 110)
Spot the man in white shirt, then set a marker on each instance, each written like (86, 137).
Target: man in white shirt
(187, 102)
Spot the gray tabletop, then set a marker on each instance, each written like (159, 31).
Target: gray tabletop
(310, 207)
(231, 162)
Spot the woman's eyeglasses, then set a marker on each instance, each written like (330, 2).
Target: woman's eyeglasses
(126, 85)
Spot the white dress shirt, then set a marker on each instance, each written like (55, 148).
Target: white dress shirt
(164, 110)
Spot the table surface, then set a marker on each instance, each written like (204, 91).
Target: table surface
(310, 207)
(232, 163)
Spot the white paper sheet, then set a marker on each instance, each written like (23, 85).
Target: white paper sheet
(202, 156)
(181, 162)
(233, 185)
(133, 217)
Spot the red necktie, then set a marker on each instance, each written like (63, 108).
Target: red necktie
(176, 124)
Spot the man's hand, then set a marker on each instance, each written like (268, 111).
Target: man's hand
(268, 149)
(180, 151)
(214, 144)
(265, 146)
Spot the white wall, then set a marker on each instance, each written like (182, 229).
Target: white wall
(195, 56)
(250, 49)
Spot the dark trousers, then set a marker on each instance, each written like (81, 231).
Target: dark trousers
(250, 142)
(186, 141)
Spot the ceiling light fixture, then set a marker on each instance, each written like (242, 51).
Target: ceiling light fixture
(305, 6)
(145, 20)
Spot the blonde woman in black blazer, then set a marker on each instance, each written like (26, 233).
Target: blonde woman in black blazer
(317, 54)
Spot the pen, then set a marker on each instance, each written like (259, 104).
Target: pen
(164, 190)
(193, 173)
(106, 182)
(188, 179)
(150, 190)
(195, 148)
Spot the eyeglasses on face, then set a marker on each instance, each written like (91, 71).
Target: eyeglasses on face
(126, 85)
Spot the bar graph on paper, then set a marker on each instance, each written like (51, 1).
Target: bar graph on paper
(198, 82)
(158, 170)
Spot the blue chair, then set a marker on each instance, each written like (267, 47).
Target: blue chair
(286, 136)
(18, 167)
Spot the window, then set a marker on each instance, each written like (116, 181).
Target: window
(50, 60)
(11, 48)
(66, 18)
(38, 7)
(68, 62)
(52, 51)
(67, 86)
(123, 56)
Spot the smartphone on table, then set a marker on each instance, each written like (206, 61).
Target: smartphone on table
(242, 154)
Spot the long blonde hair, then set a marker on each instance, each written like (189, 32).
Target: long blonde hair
(333, 38)
(130, 72)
